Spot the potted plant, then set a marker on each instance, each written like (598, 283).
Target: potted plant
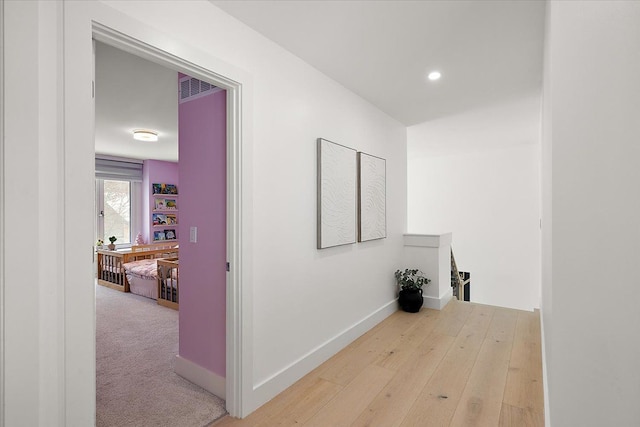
(411, 283)
(99, 244)
(112, 246)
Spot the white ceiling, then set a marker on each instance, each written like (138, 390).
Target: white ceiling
(133, 93)
(489, 52)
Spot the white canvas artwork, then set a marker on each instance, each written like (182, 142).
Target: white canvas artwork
(372, 200)
(337, 194)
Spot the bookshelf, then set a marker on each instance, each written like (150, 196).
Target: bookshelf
(164, 215)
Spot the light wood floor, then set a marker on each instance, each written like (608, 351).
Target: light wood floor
(467, 365)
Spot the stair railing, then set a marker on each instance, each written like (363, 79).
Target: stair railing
(457, 279)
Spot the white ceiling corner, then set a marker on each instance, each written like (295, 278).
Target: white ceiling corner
(489, 52)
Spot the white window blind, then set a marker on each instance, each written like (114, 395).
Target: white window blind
(118, 169)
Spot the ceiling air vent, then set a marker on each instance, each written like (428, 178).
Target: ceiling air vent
(191, 89)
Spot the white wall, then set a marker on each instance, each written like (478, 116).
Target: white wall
(293, 105)
(33, 285)
(303, 298)
(592, 134)
(479, 178)
(547, 225)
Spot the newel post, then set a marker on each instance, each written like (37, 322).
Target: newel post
(431, 253)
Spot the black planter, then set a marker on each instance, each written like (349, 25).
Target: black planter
(410, 300)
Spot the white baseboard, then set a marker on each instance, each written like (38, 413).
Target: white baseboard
(545, 378)
(272, 386)
(437, 303)
(200, 376)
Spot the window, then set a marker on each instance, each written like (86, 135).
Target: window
(118, 199)
(114, 210)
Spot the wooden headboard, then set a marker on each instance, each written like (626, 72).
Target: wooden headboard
(110, 263)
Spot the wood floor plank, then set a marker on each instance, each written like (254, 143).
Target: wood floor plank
(275, 406)
(348, 364)
(481, 401)
(456, 369)
(524, 387)
(453, 318)
(407, 342)
(395, 399)
(512, 416)
(437, 402)
(305, 406)
(353, 399)
(287, 398)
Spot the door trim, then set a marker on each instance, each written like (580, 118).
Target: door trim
(234, 348)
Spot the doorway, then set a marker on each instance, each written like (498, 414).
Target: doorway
(133, 93)
(81, 26)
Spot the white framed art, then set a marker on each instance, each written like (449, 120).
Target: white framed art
(372, 197)
(337, 194)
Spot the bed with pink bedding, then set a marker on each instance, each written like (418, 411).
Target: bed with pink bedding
(142, 276)
(142, 270)
(154, 278)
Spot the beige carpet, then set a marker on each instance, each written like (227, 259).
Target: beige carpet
(136, 344)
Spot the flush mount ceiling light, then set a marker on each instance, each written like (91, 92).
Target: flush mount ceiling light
(145, 135)
(434, 75)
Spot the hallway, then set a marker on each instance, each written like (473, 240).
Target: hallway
(468, 364)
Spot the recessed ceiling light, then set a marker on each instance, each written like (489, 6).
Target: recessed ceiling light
(434, 75)
(145, 135)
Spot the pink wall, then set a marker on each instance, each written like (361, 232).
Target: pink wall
(155, 171)
(202, 171)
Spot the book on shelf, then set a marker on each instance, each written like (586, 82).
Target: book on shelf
(164, 188)
(170, 234)
(170, 204)
(159, 219)
(165, 204)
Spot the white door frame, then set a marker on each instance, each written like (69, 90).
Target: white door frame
(158, 48)
(234, 188)
(2, 209)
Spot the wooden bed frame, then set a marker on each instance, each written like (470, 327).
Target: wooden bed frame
(110, 270)
(168, 279)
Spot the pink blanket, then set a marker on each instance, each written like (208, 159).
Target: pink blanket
(144, 268)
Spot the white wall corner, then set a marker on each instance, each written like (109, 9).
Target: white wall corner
(437, 303)
(267, 389)
(200, 376)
